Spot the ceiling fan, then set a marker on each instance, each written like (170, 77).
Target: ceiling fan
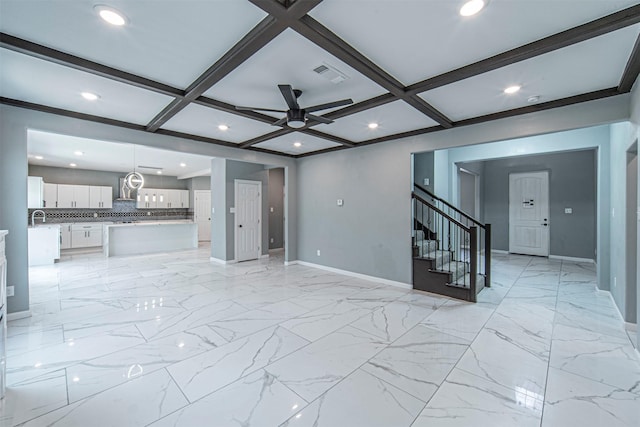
(296, 116)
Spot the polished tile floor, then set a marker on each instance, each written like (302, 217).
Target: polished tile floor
(175, 340)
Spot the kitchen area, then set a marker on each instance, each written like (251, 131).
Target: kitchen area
(80, 200)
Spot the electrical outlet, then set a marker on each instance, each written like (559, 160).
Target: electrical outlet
(568, 210)
(11, 291)
(271, 209)
(148, 213)
(615, 282)
(271, 240)
(426, 181)
(95, 214)
(318, 252)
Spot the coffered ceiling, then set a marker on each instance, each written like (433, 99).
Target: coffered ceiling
(411, 66)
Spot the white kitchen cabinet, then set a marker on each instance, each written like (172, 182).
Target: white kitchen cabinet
(43, 244)
(174, 198)
(86, 235)
(147, 198)
(184, 198)
(73, 196)
(50, 195)
(35, 190)
(162, 198)
(65, 236)
(100, 197)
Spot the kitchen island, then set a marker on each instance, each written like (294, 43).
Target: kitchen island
(147, 237)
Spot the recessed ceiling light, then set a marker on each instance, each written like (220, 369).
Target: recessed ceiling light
(90, 96)
(297, 144)
(182, 165)
(373, 125)
(223, 127)
(111, 15)
(472, 7)
(512, 89)
(159, 172)
(73, 165)
(78, 153)
(38, 157)
(534, 98)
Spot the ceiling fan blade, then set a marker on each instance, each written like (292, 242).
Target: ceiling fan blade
(259, 109)
(330, 105)
(280, 122)
(319, 119)
(289, 96)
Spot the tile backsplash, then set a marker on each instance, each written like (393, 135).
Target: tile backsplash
(123, 210)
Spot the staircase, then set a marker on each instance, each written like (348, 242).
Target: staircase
(451, 250)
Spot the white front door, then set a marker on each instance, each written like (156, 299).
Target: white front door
(202, 214)
(529, 213)
(248, 219)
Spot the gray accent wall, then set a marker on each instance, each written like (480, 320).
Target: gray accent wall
(13, 207)
(276, 202)
(423, 168)
(572, 184)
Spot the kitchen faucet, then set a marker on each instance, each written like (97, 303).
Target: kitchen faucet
(33, 216)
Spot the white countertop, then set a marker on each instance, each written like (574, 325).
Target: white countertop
(152, 223)
(4, 232)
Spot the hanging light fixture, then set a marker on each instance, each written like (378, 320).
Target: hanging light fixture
(133, 181)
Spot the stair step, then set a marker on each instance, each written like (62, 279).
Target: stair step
(426, 246)
(440, 257)
(457, 269)
(465, 282)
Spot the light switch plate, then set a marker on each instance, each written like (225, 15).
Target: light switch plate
(271, 209)
(232, 210)
(10, 291)
(340, 202)
(425, 181)
(568, 210)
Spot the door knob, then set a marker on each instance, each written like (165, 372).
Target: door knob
(545, 224)
(240, 226)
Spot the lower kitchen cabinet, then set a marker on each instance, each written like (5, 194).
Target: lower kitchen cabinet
(86, 235)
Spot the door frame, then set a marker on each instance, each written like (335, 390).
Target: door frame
(476, 191)
(548, 234)
(236, 183)
(195, 194)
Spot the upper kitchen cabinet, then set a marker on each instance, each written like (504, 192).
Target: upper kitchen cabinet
(35, 189)
(50, 195)
(177, 199)
(147, 198)
(100, 197)
(73, 196)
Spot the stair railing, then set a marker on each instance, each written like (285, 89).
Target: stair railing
(467, 241)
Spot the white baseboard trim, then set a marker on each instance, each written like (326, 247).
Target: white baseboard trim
(288, 263)
(573, 259)
(353, 274)
(613, 301)
(18, 315)
(264, 256)
(633, 327)
(221, 261)
(499, 251)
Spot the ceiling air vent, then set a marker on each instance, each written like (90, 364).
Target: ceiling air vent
(330, 73)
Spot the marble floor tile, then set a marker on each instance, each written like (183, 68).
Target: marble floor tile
(260, 344)
(33, 397)
(257, 400)
(316, 368)
(359, 400)
(47, 359)
(419, 361)
(96, 375)
(458, 318)
(120, 406)
(210, 371)
(393, 320)
(574, 400)
(318, 323)
(466, 400)
(600, 357)
(244, 324)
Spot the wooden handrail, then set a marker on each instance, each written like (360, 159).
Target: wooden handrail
(433, 196)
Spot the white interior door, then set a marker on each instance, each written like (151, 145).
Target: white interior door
(248, 220)
(529, 213)
(202, 214)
